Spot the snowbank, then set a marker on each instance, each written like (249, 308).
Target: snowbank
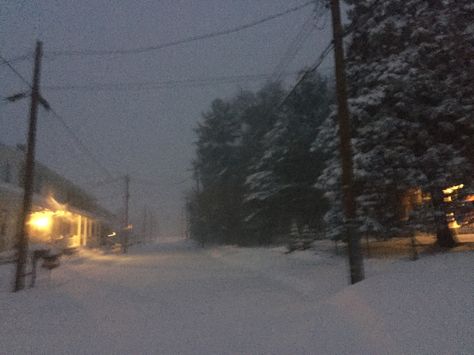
(423, 307)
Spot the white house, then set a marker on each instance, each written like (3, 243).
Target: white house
(62, 213)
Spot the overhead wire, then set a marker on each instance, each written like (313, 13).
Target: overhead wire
(16, 72)
(120, 86)
(286, 59)
(326, 52)
(16, 59)
(91, 52)
(62, 121)
(294, 47)
(60, 149)
(152, 85)
(80, 143)
(305, 31)
(110, 177)
(321, 15)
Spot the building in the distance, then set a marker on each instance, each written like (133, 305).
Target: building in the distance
(62, 213)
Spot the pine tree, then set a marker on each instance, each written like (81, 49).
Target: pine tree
(410, 73)
(263, 220)
(281, 182)
(215, 209)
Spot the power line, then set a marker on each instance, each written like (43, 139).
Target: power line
(321, 14)
(61, 120)
(18, 74)
(90, 52)
(294, 47)
(61, 144)
(150, 85)
(303, 76)
(16, 59)
(42, 101)
(79, 142)
(328, 49)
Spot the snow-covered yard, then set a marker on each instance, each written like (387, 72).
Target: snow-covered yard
(174, 298)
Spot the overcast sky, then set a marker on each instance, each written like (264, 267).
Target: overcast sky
(145, 133)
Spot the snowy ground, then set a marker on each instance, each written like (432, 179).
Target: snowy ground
(174, 298)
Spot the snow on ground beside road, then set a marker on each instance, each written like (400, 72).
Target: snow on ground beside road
(175, 298)
(426, 307)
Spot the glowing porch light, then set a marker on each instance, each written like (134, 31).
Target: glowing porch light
(454, 225)
(40, 220)
(451, 189)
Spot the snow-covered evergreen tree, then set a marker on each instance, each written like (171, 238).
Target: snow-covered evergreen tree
(215, 208)
(281, 182)
(229, 142)
(262, 219)
(410, 70)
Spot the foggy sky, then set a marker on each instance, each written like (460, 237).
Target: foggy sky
(149, 133)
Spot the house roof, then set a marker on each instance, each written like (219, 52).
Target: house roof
(61, 188)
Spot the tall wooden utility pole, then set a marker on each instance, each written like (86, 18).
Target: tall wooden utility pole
(126, 222)
(28, 177)
(355, 255)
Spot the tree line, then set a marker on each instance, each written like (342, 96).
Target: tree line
(254, 165)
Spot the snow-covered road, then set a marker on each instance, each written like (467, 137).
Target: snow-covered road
(174, 298)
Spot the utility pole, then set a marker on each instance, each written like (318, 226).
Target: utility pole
(355, 255)
(28, 178)
(126, 223)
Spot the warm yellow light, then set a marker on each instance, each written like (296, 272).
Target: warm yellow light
(40, 220)
(113, 234)
(63, 213)
(469, 198)
(74, 241)
(451, 189)
(454, 225)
